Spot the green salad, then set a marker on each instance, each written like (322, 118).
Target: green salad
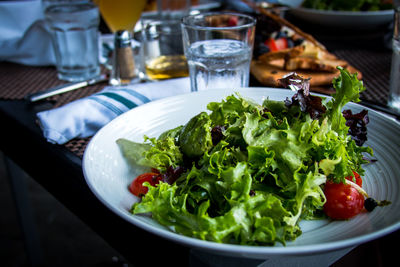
(245, 173)
(349, 5)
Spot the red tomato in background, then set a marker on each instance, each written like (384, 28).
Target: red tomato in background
(343, 201)
(138, 189)
(276, 44)
(232, 21)
(281, 43)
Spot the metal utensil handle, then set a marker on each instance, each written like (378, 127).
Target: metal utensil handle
(63, 88)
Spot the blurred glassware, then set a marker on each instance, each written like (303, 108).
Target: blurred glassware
(74, 28)
(173, 9)
(162, 50)
(121, 17)
(218, 47)
(394, 92)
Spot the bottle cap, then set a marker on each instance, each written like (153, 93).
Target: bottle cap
(123, 38)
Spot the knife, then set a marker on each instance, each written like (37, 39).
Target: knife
(63, 88)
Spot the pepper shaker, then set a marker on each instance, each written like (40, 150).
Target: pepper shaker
(123, 71)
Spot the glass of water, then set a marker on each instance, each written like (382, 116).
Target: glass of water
(74, 29)
(218, 48)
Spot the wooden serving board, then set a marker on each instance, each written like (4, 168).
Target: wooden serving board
(269, 75)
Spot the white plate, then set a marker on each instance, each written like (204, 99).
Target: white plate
(108, 176)
(344, 19)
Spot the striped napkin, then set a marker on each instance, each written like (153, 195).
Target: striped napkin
(84, 117)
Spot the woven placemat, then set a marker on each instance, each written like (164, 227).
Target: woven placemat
(78, 146)
(375, 67)
(18, 81)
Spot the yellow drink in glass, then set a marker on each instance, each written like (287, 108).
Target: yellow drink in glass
(121, 17)
(167, 67)
(121, 14)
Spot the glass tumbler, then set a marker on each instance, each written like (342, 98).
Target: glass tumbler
(218, 47)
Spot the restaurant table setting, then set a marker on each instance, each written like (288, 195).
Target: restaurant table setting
(131, 99)
(84, 117)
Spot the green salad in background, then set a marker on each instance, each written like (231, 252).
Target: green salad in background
(349, 5)
(245, 173)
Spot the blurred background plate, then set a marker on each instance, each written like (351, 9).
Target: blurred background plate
(344, 19)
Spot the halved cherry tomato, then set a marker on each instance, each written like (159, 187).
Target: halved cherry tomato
(343, 201)
(138, 189)
(357, 179)
(271, 44)
(276, 44)
(281, 43)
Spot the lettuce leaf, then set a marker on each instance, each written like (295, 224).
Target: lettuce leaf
(348, 88)
(158, 154)
(195, 138)
(248, 220)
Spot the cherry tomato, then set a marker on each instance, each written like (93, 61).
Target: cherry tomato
(232, 21)
(271, 44)
(357, 179)
(281, 43)
(343, 201)
(138, 189)
(276, 44)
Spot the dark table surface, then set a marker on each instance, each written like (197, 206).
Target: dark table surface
(58, 168)
(59, 171)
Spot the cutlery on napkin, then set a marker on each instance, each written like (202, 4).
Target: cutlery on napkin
(63, 88)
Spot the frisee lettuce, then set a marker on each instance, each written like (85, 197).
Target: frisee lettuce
(264, 172)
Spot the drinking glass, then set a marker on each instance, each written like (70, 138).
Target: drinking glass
(121, 17)
(162, 50)
(218, 47)
(74, 30)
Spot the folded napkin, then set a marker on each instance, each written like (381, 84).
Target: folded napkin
(84, 117)
(24, 38)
